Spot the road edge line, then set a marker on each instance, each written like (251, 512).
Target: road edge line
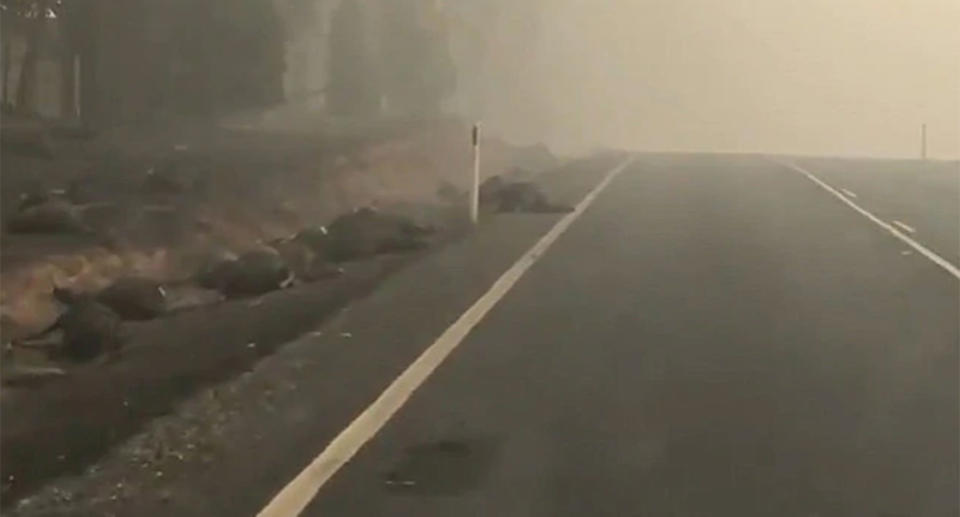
(923, 250)
(294, 497)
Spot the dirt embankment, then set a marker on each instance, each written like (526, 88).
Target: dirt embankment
(159, 202)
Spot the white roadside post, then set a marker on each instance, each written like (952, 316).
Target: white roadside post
(475, 186)
(923, 142)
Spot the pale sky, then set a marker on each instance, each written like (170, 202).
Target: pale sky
(831, 77)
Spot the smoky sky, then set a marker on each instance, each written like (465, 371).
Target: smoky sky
(830, 77)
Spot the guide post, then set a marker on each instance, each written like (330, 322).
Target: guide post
(475, 185)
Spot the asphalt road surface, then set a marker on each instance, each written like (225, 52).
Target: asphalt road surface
(922, 196)
(713, 336)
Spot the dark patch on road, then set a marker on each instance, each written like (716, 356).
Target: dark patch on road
(443, 467)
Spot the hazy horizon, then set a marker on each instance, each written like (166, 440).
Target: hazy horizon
(852, 78)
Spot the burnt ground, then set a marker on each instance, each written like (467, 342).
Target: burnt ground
(59, 428)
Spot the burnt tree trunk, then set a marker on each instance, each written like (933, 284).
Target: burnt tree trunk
(6, 72)
(27, 82)
(86, 22)
(69, 54)
(68, 80)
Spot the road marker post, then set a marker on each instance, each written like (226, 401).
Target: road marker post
(923, 142)
(475, 183)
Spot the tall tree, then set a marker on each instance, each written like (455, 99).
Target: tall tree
(419, 70)
(352, 89)
(31, 16)
(222, 55)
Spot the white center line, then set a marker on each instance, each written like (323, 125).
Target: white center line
(905, 227)
(923, 250)
(849, 193)
(296, 495)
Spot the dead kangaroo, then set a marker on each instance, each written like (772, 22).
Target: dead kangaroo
(134, 298)
(502, 195)
(89, 330)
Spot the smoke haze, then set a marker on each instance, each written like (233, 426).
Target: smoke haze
(850, 77)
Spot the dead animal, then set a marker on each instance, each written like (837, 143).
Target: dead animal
(520, 196)
(449, 193)
(320, 270)
(258, 272)
(490, 189)
(526, 197)
(164, 181)
(254, 273)
(215, 271)
(367, 232)
(134, 298)
(316, 238)
(307, 264)
(47, 216)
(31, 199)
(89, 329)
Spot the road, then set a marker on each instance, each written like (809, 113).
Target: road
(713, 335)
(922, 196)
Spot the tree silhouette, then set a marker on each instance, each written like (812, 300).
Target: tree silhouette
(352, 89)
(419, 72)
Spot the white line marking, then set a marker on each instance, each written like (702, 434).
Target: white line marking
(905, 227)
(849, 193)
(923, 250)
(294, 497)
